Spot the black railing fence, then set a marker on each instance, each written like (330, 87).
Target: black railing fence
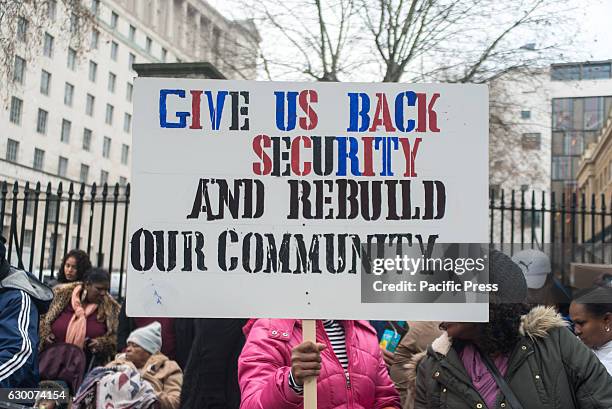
(42, 223)
(573, 228)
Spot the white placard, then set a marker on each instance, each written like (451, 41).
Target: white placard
(232, 179)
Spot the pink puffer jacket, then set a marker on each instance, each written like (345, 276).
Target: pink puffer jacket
(265, 363)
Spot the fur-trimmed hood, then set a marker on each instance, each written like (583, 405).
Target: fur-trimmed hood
(537, 323)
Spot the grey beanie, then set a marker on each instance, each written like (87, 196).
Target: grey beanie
(148, 338)
(512, 287)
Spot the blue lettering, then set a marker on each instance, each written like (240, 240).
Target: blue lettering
(163, 109)
(291, 110)
(351, 155)
(356, 113)
(216, 112)
(399, 111)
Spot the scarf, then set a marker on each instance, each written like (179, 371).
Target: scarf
(116, 387)
(77, 327)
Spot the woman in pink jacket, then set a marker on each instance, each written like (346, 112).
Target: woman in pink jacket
(346, 360)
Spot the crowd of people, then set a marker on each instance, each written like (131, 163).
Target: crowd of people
(544, 346)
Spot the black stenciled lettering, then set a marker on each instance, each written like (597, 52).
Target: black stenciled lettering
(199, 251)
(135, 255)
(440, 201)
(222, 250)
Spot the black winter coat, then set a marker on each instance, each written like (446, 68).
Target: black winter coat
(548, 369)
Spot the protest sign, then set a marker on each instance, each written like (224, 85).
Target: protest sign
(259, 199)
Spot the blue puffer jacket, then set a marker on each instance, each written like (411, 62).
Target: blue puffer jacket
(22, 299)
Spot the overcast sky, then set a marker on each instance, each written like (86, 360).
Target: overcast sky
(594, 41)
(596, 29)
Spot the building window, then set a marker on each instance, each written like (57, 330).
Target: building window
(74, 23)
(86, 139)
(95, 7)
(22, 29)
(52, 209)
(525, 114)
(129, 91)
(110, 110)
(103, 177)
(89, 105)
(48, 45)
(127, 122)
(45, 82)
(51, 9)
(66, 126)
(39, 159)
(68, 94)
(16, 108)
(114, 50)
(596, 71)
(93, 71)
(71, 64)
(593, 113)
(112, 80)
(62, 166)
(563, 113)
(12, 150)
(131, 60)
(106, 146)
(114, 20)
(567, 143)
(164, 54)
(19, 70)
(84, 175)
(27, 238)
(95, 39)
(41, 123)
(125, 153)
(531, 141)
(149, 44)
(77, 212)
(565, 73)
(122, 181)
(565, 167)
(132, 34)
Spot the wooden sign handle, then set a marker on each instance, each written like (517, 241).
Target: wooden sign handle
(309, 330)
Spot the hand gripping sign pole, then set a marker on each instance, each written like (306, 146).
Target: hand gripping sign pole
(309, 328)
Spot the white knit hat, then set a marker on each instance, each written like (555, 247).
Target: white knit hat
(148, 338)
(535, 265)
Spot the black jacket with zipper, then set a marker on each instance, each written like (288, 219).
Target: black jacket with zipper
(548, 369)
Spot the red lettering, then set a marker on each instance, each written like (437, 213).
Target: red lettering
(265, 166)
(195, 109)
(368, 163)
(427, 110)
(433, 115)
(382, 108)
(410, 156)
(295, 156)
(305, 99)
